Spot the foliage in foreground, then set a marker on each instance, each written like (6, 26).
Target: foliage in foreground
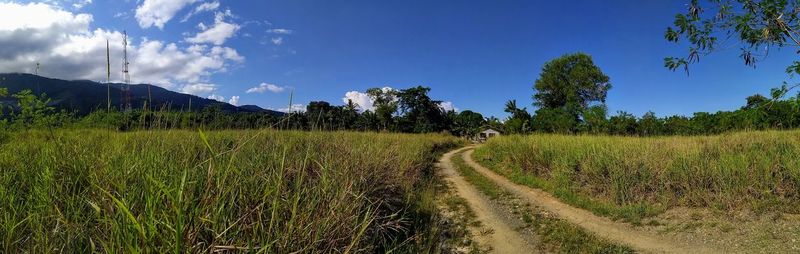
(184, 191)
(756, 27)
(630, 177)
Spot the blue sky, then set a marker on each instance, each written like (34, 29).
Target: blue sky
(475, 54)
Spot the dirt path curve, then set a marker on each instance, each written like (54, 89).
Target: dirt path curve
(503, 238)
(603, 227)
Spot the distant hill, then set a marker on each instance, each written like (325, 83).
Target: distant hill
(83, 96)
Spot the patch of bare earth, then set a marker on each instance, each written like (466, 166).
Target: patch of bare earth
(500, 228)
(740, 232)
(459, 219)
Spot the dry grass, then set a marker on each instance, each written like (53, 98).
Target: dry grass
(185, 191)
(632, 178)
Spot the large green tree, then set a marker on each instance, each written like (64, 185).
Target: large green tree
(650, 125)
(569, 85)
(756, 27)
(320, 114)
(421, 114)
(623, 123)
(349, 115)
(595, 119)
(679, 125)
(467, 123)
(385, 102)
(557, 120)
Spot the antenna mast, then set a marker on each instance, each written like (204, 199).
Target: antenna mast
(126, 87)
(36, 72)
(108, 75)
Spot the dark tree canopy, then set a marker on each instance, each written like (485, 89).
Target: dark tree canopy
(572, 81)
(557, 120)
(467, 123)
(420, 113)
(566, 88)
(650, 125)
(385, 103)
(595, 119)
(520, 119)
(516, 112)
(755, 101)
(754, 26)
(623, 123)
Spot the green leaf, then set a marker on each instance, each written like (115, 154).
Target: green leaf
(121, 205)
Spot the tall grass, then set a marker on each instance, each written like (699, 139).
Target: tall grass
(187, 191)
(632, 177)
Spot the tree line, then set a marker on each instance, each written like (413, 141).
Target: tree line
(409, 110)
(570, 95)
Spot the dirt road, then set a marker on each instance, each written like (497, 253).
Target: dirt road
(621, 233)
(501, 237)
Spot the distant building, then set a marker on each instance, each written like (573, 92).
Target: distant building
(487, 133)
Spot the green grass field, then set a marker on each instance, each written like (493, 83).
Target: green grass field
(187, 191)
(631, 177)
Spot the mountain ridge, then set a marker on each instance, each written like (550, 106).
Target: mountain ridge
(85, 96)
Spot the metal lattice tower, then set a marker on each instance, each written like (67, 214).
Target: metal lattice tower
(36, 72)
(126, 76)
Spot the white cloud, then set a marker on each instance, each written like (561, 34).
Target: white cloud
(264, 87)
(64, 4)
(210, 6)
(280, 31)
(448, 106)
(20, 18)
(81, 3)
(234, 100)
(199, 88)
(158, 12)
(363, 100)
(204, 7)
(277, 40)
(62, 42)
(217, 34)
(216, 97)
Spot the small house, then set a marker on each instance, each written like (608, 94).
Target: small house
(487, 133)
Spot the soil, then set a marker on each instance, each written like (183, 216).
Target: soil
(496, 230)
